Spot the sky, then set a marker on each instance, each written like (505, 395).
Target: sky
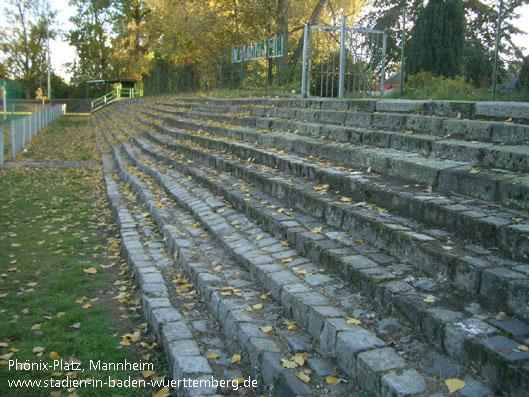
(62, 53)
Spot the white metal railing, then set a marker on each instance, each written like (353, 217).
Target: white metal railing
(116, 94)
(25, 128)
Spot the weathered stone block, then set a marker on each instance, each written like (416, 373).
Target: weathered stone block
(351, 343)
(371, 364)
(406, 383)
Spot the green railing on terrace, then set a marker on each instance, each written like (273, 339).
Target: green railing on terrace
(115, 95)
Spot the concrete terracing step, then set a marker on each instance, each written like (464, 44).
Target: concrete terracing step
(179, 336)
(458, 333)
(269, 244)
(363, 355)
(497, 186)
(490, 226)
(482, 154)
(389, 115)
(461, 266)
(517, 111)
(202, 292)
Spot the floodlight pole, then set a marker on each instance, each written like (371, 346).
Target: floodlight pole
(304, 67)
(4, 99)
(342, 59)
(402, 49)
(49, 60)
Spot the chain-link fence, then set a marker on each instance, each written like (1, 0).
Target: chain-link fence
(215, 72)
(440, 49)
(450, 49)
(23, 129)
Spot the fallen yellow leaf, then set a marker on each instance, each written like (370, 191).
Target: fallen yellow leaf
(429, 300)
(317, 229)
(351, 320)
(258, 306)
(107, 266)
(447, 247)
(236, 358)
(291, 325)
(501, 316)
(239, 381)
(454, 384)
(288, 364)
(522, 348)
(331, 380)
(6, 356)
(302, 376)
(287, 260)
(299, 359)
(54, 356)
(38, 349)
(90, 270)
(165, 392)
(147, 374)
(213, 356)
(87, 306)
(135, 336)
(266, 329)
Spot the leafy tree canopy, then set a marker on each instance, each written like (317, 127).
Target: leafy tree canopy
(23, 41)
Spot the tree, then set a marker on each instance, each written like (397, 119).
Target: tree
(59, 87)
(90, 39)
(24, 41)
(131, 44)
(523, 79)
(481, 21)
(437, 39)
(477, 66)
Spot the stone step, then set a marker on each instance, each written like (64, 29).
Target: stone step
(177, 335)
(489, 226)
(426, 142)
(375, 365)
(453, 126)
(502, 111)
(470, 333)
(496, 186)
(457, 265)
(224, 294)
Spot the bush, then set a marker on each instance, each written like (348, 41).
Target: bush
(523, 79)
(425, 85)
(478, 68)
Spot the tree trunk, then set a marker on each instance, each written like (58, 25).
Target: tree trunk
(282, 23)
(316, 13)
